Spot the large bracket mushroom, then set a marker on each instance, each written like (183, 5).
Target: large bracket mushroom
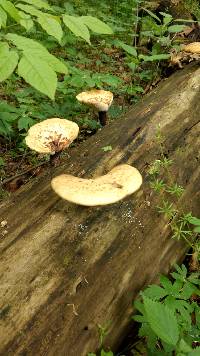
(120, 182)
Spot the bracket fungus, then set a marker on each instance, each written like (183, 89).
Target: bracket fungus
(100, 99)
(120, 182)
(193, 47)
(52, 136)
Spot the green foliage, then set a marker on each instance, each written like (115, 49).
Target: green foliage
(169, 315)
(183, 225)
(36, 65)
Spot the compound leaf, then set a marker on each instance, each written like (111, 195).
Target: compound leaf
(38, 74)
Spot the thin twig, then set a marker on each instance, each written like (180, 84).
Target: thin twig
(7, 180)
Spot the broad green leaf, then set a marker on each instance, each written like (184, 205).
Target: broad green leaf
(97, 25)
(176, 28)
(10, 9)
(162, 321)
(38, 73)
(29, 45)
(3, 17)
(26, 21)
(8, 63)
(25, 43)
(197, 229)
(129, 49)
(52, 61)
(40, 4)
(30, 9)
(4, 48)
(51, 26)
(76, 25)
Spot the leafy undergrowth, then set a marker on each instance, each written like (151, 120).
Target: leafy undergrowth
(110, 62)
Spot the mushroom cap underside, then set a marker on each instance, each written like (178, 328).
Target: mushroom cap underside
(100, 99)
(121, 181)
(52, 135)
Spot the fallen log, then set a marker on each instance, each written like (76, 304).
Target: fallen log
(66, 268)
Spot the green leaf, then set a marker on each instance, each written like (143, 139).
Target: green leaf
(194, 221)
(96, 25)
(106, 353)
(76, 25)
(38, 73)
(51, 26)
(4, 48)
(155, 57)
(197, 229)
(107, 148)
(10, 9)
(40, 4)
(3, 17)
(30, 9)
(195, 352)
(25, 122)
(184, 347)
(162, 321)
(176, 28)
(6, 120)
(36, 48)
(25, 43)
(155, 292)
(53, 62)
(26, 21)
(8, 63)
(129, 49)
(151, 14)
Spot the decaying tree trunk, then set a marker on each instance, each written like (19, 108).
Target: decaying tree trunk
(66, 268)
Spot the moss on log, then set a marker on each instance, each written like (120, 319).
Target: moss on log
(65, 268)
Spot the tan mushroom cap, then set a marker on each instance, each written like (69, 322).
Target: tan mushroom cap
(193, 47)
(51, 135)
(100, 99)
(121, 181)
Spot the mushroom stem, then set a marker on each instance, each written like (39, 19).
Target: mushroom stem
(55, 159)
(103, 118)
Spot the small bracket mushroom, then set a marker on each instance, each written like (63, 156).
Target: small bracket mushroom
(52, 135)
(100, 99)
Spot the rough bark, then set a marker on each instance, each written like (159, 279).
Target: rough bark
(66, 268)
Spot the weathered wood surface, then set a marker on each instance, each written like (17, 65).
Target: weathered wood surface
(66, 268)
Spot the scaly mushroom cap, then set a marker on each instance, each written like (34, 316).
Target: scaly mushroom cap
(100, 99)
(193, 47)
(121, 181)
(51, 135)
